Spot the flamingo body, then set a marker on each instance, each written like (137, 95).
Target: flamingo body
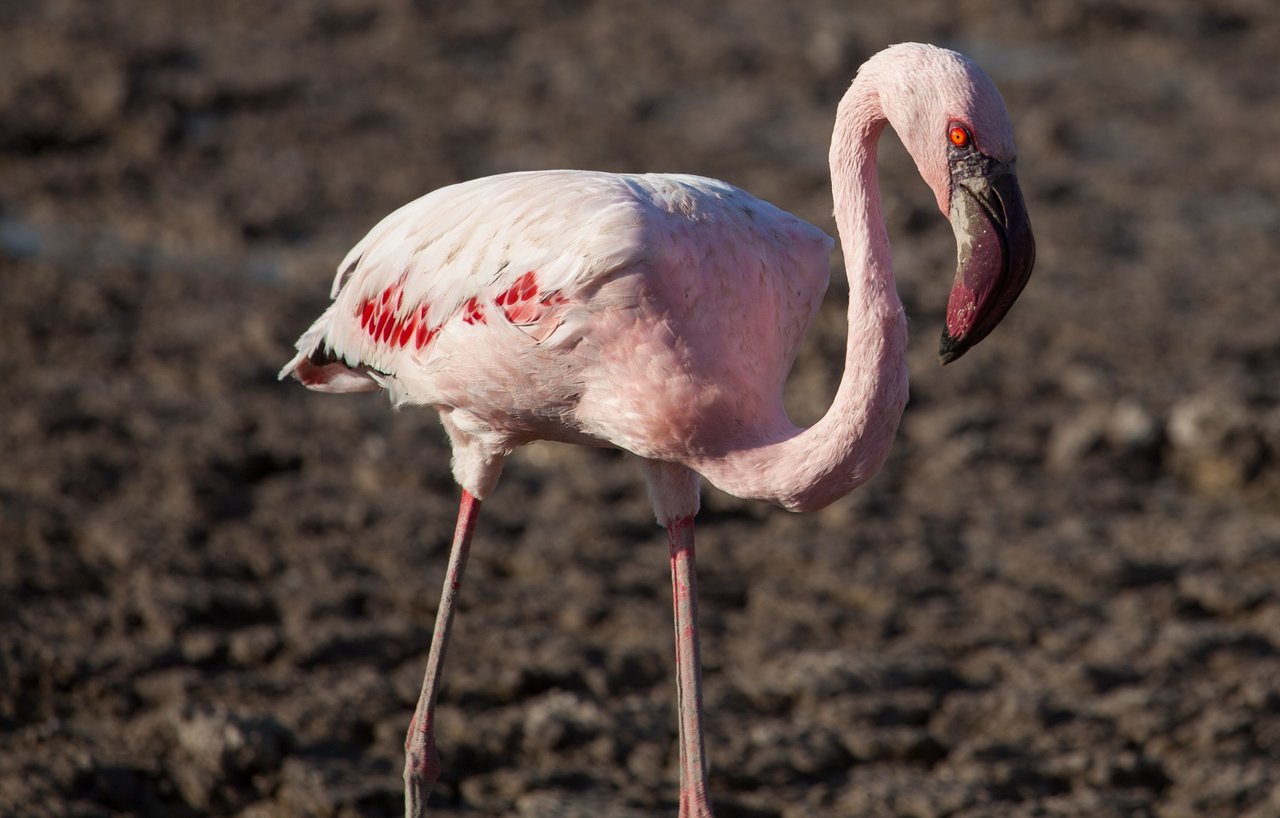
(656, 313)
(661, 314)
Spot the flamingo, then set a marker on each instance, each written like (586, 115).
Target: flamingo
(661, 314)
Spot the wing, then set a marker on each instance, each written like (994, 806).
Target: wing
(516, 248)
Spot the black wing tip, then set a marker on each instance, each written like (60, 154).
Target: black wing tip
(322, 355)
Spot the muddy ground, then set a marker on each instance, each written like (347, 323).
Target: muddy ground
(1060, 598)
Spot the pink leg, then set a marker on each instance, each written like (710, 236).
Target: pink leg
(422, 762)
(684, 587)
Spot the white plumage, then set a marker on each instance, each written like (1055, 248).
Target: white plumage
(659, 304)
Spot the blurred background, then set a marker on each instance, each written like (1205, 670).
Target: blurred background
(1060, 598)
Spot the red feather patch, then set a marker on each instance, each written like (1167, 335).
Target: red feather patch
(387, 322)
(517, 302)
(472, 313)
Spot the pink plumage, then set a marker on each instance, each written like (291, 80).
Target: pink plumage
(571, 305)
(661, 314)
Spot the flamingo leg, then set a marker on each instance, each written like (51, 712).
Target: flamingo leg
(422, 762)
(684, 591)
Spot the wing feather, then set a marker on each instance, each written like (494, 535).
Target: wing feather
(503, 263)
(441, 263)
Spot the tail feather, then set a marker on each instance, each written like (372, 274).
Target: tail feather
(317, 367)
(331, 377)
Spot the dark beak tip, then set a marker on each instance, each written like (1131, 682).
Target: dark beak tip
(950, 349)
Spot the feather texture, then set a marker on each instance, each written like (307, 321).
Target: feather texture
(570, 305)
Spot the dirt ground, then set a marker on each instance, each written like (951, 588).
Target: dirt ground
(1060, 598)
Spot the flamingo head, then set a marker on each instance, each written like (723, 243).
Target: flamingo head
(953, 122)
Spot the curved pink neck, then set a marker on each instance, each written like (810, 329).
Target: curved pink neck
(806, 469)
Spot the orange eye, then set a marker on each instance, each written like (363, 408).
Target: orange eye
(958, 136)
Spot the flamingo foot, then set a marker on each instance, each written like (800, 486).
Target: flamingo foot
(684, 586)
(421, 769)
(421, 761)
(694, 804)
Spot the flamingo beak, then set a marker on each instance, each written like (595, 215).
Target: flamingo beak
(994, 247)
